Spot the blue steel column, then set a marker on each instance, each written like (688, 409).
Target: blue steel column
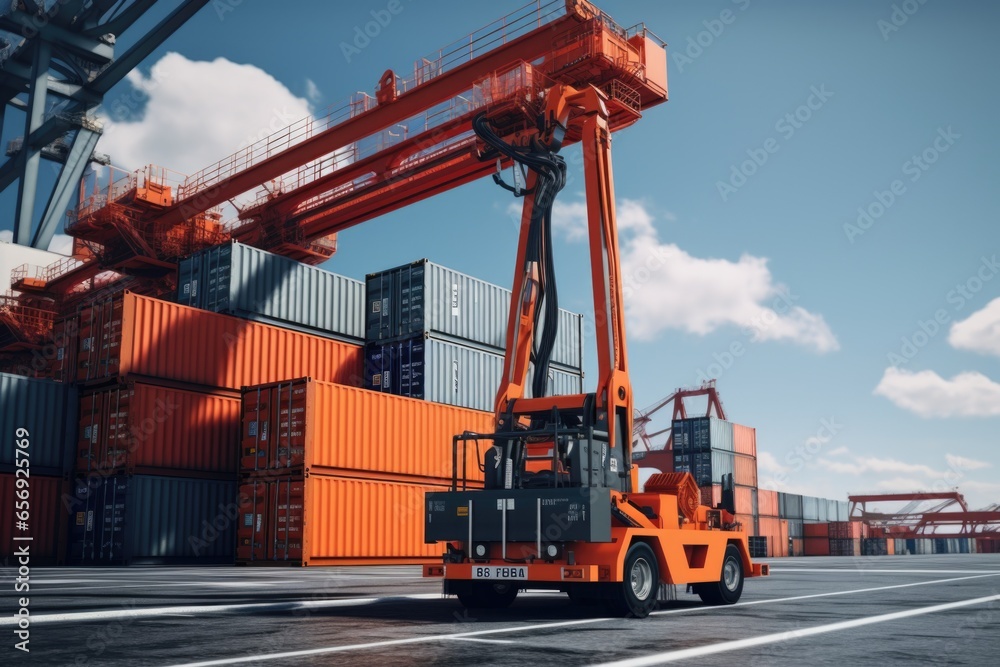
(31, 155)
(69, 178)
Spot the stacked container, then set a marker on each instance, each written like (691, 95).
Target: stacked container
(436, 334)
(37, 419)
(769, 524)
(157, 442)
(337, 475)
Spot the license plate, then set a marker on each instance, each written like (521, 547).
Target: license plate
(499, 572)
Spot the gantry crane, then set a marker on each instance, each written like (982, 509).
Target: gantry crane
(925, 513)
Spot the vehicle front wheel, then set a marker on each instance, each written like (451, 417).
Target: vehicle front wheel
(729, 588)
(636, 595)
(484, 594)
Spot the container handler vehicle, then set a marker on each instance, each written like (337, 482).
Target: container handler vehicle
(559, 506)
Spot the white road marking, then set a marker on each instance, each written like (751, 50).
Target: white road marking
(751, 642)
(524, 628)
(833, 593)
(877, 571)
(485, 641)
(145, 612)
(110, 585)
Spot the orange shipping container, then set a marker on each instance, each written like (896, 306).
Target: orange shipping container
(745, 440)
(767, 502)
(816, 530)
(711, 495)
(796, 547)
(747, 522)
(781, 548)
(847, 530)
(817, 546)
(771, 529)
(328, 520)
(743, 495)
(48, 520)
(138, 427)
(139, 335)
(745, 470)
(330, 428)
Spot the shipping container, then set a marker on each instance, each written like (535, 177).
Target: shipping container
(745, 440)
(782, 546)
(758, 546)
(841, 547)
(810, 509)
(848, 530)
(743, 496)
(795, 528)
(425, 298)
(875, 546)
(46, 411)
(816, 530)
(444, 372)
(767, 502)
(816, 546)
(135, 426)
(790, 506)
(65, 336)
(46, 518)
(328, 520)
(125, 519)
(843, 510)
(241, 280)
(770, 528)
(132, 334)
(711, 496)
(308, 425)
(702, 434)
(744, 470)
(796, 546)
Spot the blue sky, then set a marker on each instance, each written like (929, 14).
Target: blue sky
(882, 92)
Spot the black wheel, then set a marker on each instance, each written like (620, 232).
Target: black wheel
(484, 594)
(636, 595)
(729, 588)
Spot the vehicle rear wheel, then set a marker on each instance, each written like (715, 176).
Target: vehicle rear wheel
(729, 588)
(636, 594)
(484, 594)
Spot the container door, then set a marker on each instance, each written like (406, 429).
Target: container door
(290, 435)
(251, 531)
(257, 429)
(286, 509)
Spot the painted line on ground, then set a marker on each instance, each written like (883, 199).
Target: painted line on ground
(876, 571)
(485, 641)
(112, 586)
(524, 628)
(763, 640)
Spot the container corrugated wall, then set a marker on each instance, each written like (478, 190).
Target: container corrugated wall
(139, 425)
(337, 427)
(444, 372)
(144, 518)
(242, 280)
(427, 298)
(140, 335)
(46, 523)
(47, 409)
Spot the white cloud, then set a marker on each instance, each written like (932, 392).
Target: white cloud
(927, 394)
(980, 332)
(839, 451)
(767, 462)
(873, 464)
(313, 92)
(196, 114)
(962, 463)
(901, 484)
(667, 288)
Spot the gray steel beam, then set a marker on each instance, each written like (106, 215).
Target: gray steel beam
(30, 156)
(62, 195)
(30, 26)
(18, 77)
(50, 130)
(123, 21)
(125, 63)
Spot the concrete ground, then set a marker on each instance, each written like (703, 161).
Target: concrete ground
(847, 611)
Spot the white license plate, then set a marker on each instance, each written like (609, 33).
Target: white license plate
(499, 572)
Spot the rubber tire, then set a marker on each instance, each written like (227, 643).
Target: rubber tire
(719, 593)
(622, 599)
(486, 594)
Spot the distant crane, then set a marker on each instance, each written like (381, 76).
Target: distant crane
(917, 519)
(644, 417)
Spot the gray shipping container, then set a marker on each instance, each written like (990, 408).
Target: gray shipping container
(47, 411)
(427, 298)
(811, 509)
(248, 282)
(701, 434)
(446, 372)
(144, 518)
(790, 506)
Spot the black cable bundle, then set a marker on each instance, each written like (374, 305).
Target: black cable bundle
(550, 169)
